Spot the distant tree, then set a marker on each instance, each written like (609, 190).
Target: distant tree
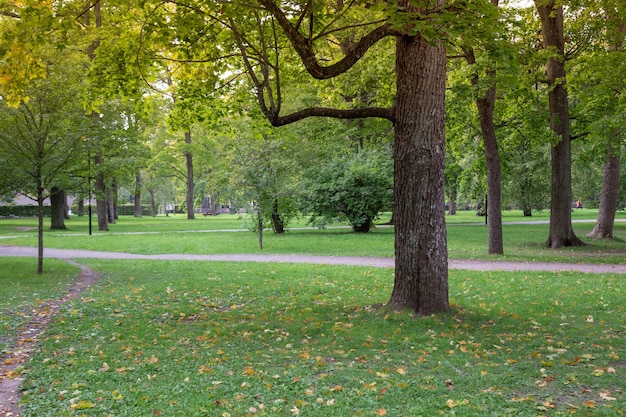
(552, 29)
(353, 187)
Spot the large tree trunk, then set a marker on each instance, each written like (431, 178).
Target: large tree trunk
(138, 212)
(421, 271)
(277, 222)
(57, 209)
(608, 198)
(190, 184)
(101, 203)
(81, 205)
(110, 193)
(561, 231)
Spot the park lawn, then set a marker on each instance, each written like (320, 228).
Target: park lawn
(466, 240)
(23, 291)
(159, 338)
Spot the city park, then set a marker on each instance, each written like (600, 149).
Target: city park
(346, 132)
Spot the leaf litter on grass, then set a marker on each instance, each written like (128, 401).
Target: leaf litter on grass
(240, 339)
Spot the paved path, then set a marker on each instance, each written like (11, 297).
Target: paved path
(477, 265)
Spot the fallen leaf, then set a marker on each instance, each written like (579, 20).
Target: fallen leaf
(82, 405)
(605, 396)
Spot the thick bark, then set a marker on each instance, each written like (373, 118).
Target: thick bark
(421, 272)
(138, 212)
(608, 198)
(277, 222)
(190, 182)
(57, 209)
(101, 203)
(81, 206)
(110, 204)
(561, 231)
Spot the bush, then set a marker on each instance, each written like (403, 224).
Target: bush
(355, 187)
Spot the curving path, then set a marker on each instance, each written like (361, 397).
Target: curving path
(477, 265)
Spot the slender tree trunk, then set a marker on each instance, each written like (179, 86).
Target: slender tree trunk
(138, 212)
(561, 231)
(100, 188)
(260, 226)
(608, 198)
(452, 203)
(190, 183)
(153, 207)
(486, 106)
(603, 228)
(57, 209)
(40, 199)
(110, 204)
(421, 271)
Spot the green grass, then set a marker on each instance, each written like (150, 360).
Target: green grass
(23, 290)
(467, 238)
(228, 339)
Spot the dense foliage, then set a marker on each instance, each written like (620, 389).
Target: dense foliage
(356, 187)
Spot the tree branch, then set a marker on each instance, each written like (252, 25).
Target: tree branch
(360, 113)
(305, 50)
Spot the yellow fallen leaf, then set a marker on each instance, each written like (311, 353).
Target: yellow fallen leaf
(82, 405)
(401, 371)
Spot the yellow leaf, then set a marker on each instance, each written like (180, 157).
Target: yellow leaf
(401, 371)
(82, 405)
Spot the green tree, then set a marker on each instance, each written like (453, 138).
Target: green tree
(41, 137)
(353, 187)
(552, 29)
(598, 89)
(259, 33)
